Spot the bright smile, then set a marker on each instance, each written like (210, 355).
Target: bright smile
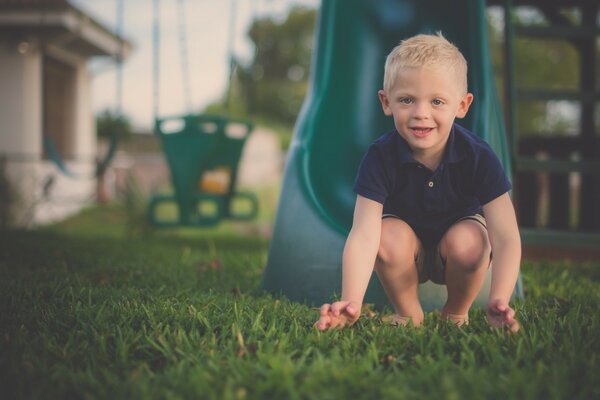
(420, 131)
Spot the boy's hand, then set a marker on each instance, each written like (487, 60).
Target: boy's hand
(338, 315)
(499, 314)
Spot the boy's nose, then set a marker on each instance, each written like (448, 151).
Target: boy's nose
(421, 111)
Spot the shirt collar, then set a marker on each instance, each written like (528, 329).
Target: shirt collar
(404, 152)
(451, 154)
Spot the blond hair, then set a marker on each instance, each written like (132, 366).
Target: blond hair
(431, 51)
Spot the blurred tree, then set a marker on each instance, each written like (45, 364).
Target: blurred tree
(275, 82)
(109, 123)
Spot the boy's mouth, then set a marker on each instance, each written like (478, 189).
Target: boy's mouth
(420, 131)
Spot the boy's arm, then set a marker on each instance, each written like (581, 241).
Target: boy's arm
(361, 249)
(506, 248)
(358, 261)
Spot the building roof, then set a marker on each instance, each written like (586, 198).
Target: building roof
(60, 23)
(33, 3)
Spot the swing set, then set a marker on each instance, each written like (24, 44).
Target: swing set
(203, 152)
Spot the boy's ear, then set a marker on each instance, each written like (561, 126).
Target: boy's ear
(385, 102)
(464, 105)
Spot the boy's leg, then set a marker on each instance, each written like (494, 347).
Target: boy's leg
(396, 268)
(466, 250)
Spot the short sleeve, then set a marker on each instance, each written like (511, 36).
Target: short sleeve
(490, 179)
(372, 180)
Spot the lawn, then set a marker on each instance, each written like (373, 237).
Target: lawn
(92, 308)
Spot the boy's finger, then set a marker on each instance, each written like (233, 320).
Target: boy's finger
(337, 307)
(510, 313)
(509, 321)
(322, 323)
(351, 311)
(325, 309)
(507, 315)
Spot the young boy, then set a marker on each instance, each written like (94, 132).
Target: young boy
(422, 191)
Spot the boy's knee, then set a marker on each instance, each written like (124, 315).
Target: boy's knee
(398, 243)
(389, 256)
(467, 245)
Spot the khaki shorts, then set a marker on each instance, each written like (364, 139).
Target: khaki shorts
(430, 265)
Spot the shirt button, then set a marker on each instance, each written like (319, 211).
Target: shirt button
(430, 184)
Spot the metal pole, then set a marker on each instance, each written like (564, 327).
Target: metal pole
(156, 58)
(119, 57)
(185, 71)
(232, 18)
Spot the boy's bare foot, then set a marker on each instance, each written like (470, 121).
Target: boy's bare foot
(456, 319)
(398, 320)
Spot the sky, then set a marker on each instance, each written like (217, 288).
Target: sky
(207, 25)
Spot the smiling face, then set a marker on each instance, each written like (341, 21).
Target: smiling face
(424, 103)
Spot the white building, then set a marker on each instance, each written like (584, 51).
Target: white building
(45, 91)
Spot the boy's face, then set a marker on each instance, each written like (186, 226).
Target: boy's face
(424, 103)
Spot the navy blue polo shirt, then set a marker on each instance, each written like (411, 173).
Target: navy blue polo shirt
(469, 176)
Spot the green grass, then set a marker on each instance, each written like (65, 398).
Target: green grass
(92, 309)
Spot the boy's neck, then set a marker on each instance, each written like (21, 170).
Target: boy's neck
(430, 159)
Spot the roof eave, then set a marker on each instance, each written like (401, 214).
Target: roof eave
(68, 27)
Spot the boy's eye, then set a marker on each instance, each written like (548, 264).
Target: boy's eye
(406, 100)
(437, 102)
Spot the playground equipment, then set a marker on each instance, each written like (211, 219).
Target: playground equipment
(202, 151)
(557, 213)
(342, 116)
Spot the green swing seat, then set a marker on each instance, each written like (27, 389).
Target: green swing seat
(203, 153)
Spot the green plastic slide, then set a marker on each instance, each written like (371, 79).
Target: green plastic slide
(342, 116)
